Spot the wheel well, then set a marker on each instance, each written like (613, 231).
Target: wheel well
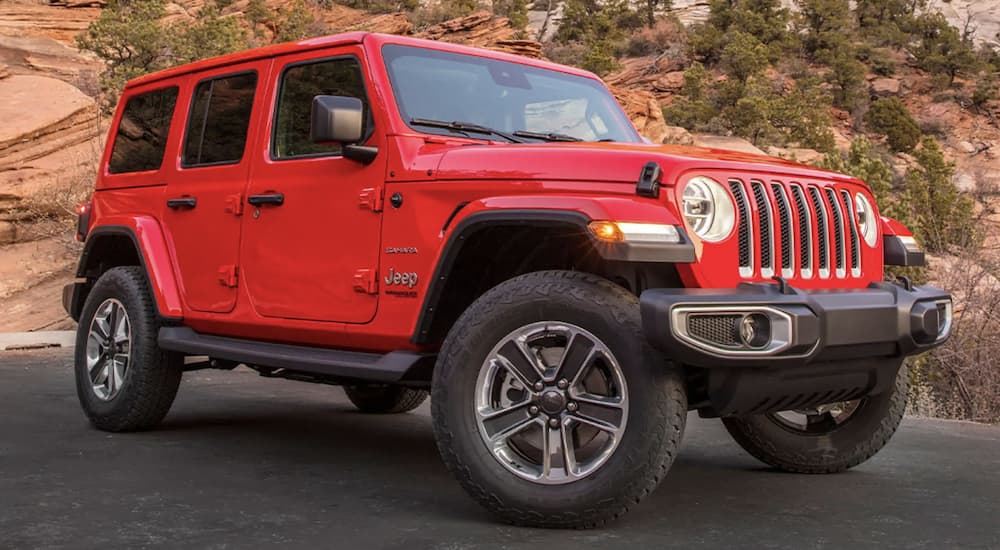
(498, 252)
(102, 252)
(108, 251)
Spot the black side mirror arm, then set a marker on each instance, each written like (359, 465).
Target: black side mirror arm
(360, 153)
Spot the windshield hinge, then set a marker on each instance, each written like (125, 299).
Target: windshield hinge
(649, 181)
(371, 198)
(366, 281)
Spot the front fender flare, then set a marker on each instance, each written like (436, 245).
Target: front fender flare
(549, 211)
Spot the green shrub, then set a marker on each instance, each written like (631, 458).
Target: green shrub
(890, 118)
(943, 217)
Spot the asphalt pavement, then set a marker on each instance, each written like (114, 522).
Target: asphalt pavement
(246, 462)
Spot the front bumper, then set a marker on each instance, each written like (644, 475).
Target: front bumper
(823, 346)
(883, 320)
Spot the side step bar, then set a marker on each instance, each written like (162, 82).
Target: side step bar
(393, 367)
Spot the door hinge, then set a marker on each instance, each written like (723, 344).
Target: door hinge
(366, 281)
(228, 275)
(371, 198)
(234, 205)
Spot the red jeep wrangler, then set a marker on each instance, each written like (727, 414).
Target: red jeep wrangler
(402, 217)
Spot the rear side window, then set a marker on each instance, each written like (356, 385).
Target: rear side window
(142, 132)
(299, 85)
(219, 119)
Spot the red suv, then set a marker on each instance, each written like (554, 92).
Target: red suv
(404, 217)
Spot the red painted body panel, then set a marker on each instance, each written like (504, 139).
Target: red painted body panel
(296, 263)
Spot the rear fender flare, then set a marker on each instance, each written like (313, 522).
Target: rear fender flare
(150, 246)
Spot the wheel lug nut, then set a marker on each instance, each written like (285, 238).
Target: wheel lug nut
(553, 422)
(533, 409)
(563, 384)
(539, 386)
(571, 406)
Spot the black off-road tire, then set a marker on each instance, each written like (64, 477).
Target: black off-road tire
(153, 375)
(656, 415)
(863, 434)
(384, 398)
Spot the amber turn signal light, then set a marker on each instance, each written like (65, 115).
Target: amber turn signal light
(607, 231)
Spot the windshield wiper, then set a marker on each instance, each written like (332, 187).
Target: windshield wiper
(465, 127)
(550, 136)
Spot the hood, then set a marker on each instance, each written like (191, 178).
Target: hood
(609, 162)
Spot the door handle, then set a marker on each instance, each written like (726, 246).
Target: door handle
(182, 202)
(277, 199)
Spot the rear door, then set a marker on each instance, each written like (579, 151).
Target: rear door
(204, 198)
(315, 255)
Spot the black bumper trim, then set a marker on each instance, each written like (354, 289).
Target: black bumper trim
(882, 321)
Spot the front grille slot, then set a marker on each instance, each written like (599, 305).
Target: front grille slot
(785, 225)
(745, 231)
(822, 232)
(855, 238)
(796, 229)
(839, 243)
(765, 237)
(805, 232)
(718, 330)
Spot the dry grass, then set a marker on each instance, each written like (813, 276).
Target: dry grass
(961, 379)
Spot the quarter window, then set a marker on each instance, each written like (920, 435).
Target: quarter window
(220, 117)
(142, 133)
(299, 85)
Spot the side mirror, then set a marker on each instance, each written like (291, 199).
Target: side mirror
(336, 119)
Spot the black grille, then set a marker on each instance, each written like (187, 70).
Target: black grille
(838, 228)
(763, 225)
(720, 330)
(781, 212)
(744, 230)
(785, 224)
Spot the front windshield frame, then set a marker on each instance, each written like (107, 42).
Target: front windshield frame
(617, 115)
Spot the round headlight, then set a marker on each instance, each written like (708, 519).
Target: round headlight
(708, 209)
(866, 219)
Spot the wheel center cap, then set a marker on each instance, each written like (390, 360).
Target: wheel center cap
(552, 402)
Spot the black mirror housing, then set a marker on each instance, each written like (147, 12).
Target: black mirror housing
(336, 119)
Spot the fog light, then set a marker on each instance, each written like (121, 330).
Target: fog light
(755, 330)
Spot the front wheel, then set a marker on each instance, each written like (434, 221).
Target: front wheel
(826, 439)
(550, 407)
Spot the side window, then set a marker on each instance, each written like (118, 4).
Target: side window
(299, 84)
(142, 133)
(219, 119)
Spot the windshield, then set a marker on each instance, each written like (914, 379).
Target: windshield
(510, 98)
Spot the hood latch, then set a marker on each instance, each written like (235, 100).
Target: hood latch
(649, 181)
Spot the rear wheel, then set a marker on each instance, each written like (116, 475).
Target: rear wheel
(826, 439)
(384, 398)
(550, 407)
(123, 379)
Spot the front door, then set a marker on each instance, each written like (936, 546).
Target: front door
(310, 246)
(203, 195)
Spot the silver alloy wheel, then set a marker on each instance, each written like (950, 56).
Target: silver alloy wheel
(551, 402)
(109, 344)
(818, 420)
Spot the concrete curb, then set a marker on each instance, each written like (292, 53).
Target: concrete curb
(11, 341)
